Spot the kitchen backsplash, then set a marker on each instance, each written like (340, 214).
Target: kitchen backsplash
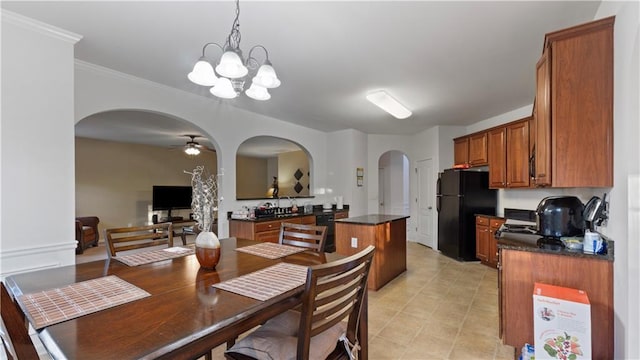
(530, 198)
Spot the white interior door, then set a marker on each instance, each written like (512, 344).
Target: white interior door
(426, 198)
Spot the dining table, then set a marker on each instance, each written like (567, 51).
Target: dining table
(183, 314)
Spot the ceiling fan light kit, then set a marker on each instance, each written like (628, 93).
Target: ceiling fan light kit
(386, 102)
(191, 150)
(232, 69)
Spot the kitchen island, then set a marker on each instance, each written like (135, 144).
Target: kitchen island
(388, 233)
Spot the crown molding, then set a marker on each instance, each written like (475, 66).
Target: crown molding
(84, 65)
(39, 26)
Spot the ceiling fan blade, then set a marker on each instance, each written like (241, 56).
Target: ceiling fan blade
(205, 148)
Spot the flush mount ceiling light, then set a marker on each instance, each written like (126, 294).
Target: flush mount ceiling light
(387, 103)
(232, 69)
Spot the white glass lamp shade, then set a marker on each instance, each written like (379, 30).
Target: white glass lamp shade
(266, 77)
(202, 73)
(224, 89)
(191, 150)
(231, 66)
(257, 92)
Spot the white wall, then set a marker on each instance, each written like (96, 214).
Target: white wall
(346, 151)
(37, 188)
(225, 125)
(625, 213)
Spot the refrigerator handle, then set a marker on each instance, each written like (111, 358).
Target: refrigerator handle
(438, 203)
(438, 191)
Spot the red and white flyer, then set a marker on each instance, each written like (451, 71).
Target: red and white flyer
(561, 323)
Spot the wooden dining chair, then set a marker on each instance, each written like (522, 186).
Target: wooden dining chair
(308, 236)
(130, 238)
(16, 327)
(333, 292)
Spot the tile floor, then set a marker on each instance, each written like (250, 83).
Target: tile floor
(438, 309)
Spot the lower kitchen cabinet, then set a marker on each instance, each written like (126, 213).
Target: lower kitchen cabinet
(486, 243)
(264, 230)
(520, 269)
(482, 238)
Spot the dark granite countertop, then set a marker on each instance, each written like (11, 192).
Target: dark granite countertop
(290, 216)
(372, 219)
(522, 245)
(490, 216)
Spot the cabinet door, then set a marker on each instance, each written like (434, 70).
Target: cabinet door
(308, 220)
(497, 158)
(478, 149)
(582, 108)
(482, 239)
(461, 151)
(518, 154)
(341, 215)
(542, 159)
(268, 236)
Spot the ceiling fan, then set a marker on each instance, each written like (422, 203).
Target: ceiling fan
(192, 147)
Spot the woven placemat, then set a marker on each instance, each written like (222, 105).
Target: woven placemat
(148, 257)
(57, 305)
(271, 250)
(267, 283)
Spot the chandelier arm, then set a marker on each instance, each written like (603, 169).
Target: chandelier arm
(250, 57)
(211, 43)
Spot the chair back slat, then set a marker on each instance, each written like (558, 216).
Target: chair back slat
(333, 296)
(330, 282)
(308, 236)
(137, 237)
(333, 292)
(16, 327)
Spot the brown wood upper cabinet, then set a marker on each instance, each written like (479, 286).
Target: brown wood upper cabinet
(471, 150)
(574, 108)
(478, 149)
(508, 152)
(461, 151)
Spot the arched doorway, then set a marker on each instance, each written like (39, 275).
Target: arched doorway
(121, 154)
(393, 183)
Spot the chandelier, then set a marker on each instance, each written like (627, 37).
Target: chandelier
(232, 69)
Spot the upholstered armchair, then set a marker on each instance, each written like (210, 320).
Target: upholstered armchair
(86, 232)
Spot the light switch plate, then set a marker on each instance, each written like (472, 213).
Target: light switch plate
(354, 242)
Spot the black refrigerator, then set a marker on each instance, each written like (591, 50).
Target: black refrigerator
(461, 194)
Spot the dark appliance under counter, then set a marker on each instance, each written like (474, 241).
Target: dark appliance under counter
(328, 219)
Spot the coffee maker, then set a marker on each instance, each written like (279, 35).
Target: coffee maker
(557, 217)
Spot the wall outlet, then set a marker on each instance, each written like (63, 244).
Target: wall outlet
(354, 242)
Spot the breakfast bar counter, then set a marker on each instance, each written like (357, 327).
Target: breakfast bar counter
(388, 233)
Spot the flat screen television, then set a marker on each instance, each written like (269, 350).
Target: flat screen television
(171, 197)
